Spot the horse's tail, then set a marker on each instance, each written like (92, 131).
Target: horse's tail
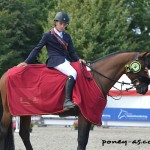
(9, 141)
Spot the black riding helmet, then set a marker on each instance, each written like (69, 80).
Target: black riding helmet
(62, 16)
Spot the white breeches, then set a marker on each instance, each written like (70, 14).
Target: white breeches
(67, 69)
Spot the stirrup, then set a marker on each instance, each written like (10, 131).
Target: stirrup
(68, 105)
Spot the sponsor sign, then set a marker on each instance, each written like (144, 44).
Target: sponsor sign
(126, 114)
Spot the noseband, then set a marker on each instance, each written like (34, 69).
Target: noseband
(141, 79)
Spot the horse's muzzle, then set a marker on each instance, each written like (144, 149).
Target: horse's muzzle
(142, 89)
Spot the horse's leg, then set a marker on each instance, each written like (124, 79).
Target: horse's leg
(24, 131)
(4, 124)
(6, 118)
(9, 140)
(3, 133)
(83, 132)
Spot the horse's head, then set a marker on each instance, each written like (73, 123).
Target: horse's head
(137, 71)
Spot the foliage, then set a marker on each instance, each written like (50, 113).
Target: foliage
(7, 54)
(21, 28)
(97, 27)
(75, 125)
(140, 23)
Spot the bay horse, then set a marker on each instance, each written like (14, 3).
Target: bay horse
(106, 71)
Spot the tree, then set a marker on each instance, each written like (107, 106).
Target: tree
(98, 27)
(21, 28)
(140, 23)
(7, 55)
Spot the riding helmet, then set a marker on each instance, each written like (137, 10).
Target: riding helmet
(62, 16)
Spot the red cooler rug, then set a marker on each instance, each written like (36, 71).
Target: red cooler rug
(37, 90)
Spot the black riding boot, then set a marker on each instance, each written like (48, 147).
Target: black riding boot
(68, 93)
(3, 133)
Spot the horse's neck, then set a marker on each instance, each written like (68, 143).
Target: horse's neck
(112, 67)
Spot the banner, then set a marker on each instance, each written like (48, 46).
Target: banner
(126, 114)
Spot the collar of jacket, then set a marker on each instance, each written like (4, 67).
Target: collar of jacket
(58, 33)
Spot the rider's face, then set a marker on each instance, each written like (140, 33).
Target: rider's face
(60, 25)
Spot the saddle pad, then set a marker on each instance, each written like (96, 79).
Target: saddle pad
(37, 90)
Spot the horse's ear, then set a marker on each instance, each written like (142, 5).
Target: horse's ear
(148, 59)
(148, 54)
(145, 54)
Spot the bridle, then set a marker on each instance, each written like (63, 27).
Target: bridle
(134, 67)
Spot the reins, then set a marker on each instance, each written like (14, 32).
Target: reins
(100, 74)
(133, 67)
(92, 69)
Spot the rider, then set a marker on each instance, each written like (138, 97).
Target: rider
(60, 53)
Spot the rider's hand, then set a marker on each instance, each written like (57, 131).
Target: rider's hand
(23, 64)
(82, 61)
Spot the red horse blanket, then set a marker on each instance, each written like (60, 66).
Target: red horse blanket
(35, 90)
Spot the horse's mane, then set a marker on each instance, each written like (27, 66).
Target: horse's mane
(110, 55)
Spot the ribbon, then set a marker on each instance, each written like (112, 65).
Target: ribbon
(60, 40)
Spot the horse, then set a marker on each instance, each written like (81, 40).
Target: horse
(105, 71)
